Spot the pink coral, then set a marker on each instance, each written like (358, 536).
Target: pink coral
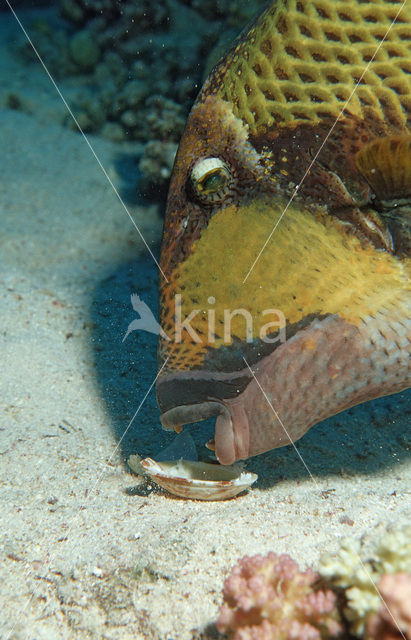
(269, 598)
(393, 619)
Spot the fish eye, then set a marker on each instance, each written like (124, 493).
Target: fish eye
(211, 179)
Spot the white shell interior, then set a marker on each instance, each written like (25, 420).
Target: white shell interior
(199, 480)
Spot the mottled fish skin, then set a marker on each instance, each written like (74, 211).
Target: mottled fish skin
(319, 91)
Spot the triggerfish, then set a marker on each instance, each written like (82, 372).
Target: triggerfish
(285, 288)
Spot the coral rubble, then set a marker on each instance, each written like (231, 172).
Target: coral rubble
(131, 70)
(156, 165)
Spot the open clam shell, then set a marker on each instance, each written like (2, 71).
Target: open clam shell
(198, 480)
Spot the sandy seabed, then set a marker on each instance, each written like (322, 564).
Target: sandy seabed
(87, 550)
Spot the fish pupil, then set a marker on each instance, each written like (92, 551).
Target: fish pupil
(213, 181)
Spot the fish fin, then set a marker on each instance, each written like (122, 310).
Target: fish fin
(385, 163)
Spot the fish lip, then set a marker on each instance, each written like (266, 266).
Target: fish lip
(186, 413)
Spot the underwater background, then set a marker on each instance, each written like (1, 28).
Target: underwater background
(89, 550)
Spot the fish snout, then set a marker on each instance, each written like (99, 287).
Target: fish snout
(325, 368)
(191, 396)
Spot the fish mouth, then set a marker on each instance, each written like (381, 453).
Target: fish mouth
(230, 443)
(175, 395)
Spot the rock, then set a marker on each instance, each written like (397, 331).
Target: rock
(84, 50)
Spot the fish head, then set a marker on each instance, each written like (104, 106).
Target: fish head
(284, 287)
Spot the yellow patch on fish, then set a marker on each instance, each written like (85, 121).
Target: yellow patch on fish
(321, 271)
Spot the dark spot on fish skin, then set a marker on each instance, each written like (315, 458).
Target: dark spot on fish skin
(292, 51)
(268, 94)
(354, 38)
(318, 57)
(282, 25)
(334, 37)
(290, 97)
(256, 113)
(306, 78)
(343, 60)
(257, 69)
(322, 13)
(305, 32)
(267, 48)
(281, 74)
